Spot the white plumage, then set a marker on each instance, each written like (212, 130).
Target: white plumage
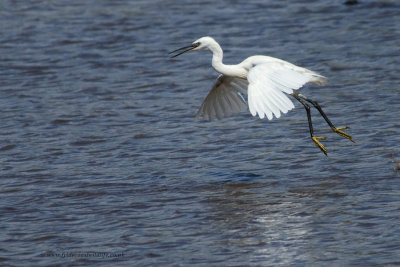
(270, 80)
(267, 81)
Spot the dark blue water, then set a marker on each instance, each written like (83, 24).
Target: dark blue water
(102, 162)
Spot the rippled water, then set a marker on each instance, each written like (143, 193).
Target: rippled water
(101, 160)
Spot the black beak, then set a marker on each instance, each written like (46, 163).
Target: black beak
(183, 50)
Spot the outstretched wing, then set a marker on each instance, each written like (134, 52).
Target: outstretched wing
(268, 83)
(225, 98)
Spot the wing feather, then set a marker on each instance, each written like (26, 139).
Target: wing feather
(224, 98)
(268, 81)
(271, 102)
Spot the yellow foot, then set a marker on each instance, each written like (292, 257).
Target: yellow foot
(318, 143)
(341, 133)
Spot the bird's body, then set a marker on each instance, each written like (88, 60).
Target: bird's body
(266, 80)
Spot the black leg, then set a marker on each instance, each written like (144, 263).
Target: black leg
(308, 110)
(318, 107)
(296, 95)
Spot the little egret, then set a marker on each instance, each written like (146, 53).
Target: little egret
(266, 80)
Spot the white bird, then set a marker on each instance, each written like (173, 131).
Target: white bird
(267, 82)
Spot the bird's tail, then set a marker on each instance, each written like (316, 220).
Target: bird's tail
(318, 79)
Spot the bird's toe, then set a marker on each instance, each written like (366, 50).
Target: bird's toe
(318, 143)
(344, 134)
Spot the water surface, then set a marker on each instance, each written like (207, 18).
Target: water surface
(100, 153)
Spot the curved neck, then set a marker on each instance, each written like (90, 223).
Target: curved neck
(218, 55)
(228, 70)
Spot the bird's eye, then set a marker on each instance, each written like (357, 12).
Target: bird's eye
(196, 44)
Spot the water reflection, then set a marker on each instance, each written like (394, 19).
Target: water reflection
(275, 227)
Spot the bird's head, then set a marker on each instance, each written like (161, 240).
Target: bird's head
(200, 44)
